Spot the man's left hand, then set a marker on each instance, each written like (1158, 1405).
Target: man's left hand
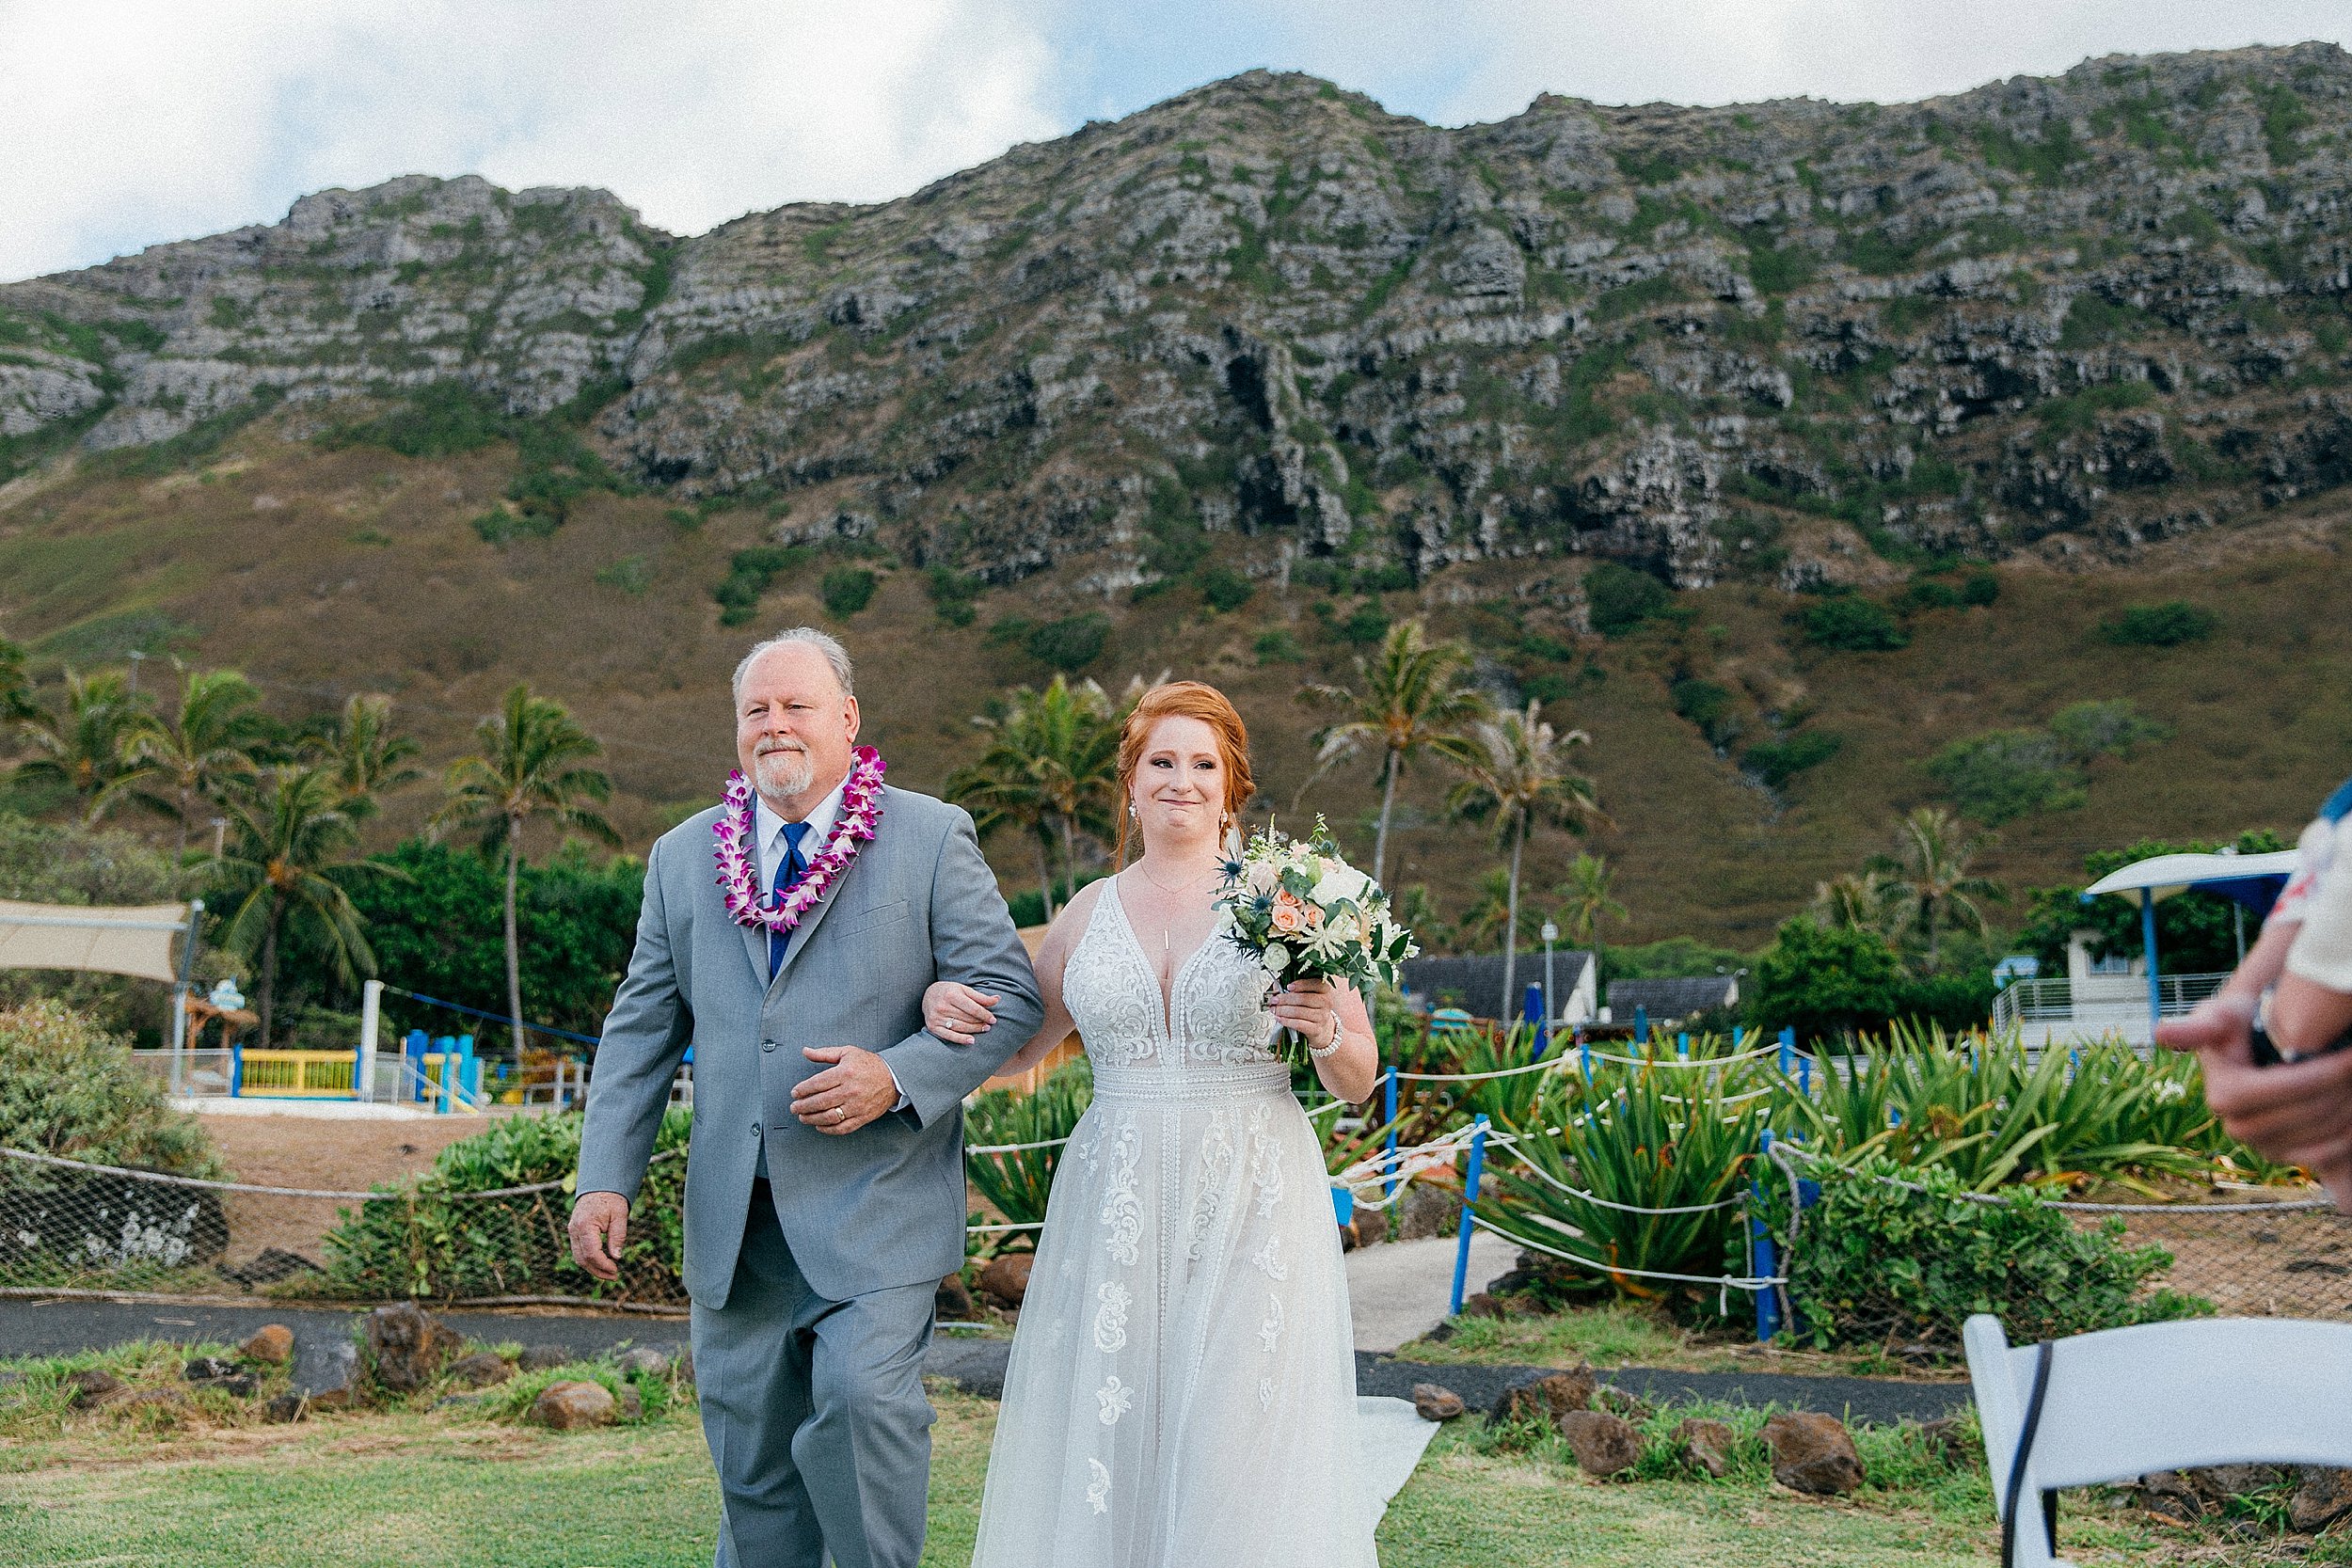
(854, 1088)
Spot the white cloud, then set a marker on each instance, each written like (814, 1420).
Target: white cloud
(150, 119)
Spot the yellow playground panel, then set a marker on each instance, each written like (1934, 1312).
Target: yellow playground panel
(294, 1074)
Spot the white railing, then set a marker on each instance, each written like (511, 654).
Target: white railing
(2064, 1011)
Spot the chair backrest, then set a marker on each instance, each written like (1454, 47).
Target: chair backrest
(2162, 1397)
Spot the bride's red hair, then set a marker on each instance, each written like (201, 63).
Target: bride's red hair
(1186, 700)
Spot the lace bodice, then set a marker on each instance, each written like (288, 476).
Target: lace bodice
(1218, 1013)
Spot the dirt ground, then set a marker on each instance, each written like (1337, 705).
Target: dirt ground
(2296, 1264)
(320, 1154)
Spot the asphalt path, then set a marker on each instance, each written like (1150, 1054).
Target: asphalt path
(55, 1327)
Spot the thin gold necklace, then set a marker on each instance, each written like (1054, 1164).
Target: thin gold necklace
(1181, 887)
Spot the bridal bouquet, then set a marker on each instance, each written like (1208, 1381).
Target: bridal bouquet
(1307, 914)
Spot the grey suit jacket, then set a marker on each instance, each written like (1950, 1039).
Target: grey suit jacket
(866, 1211)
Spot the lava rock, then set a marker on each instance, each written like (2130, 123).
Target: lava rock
(1604, 1444)
(1425, 1211)
(284, 1408)
(1482, 1305)
(573, 1406)
(482, 1370)
(544, 1358)
(953, 1303)
(2169, 1495)
(325, 1371)
(271, 1344)
(1434, 1403)
(1814, 1453)
(2322, 1497)
(643, 1361)
(632, 1404)
(1006, 1280)
(92, 1386)
(1706, 1446)
(410, 1346)
(1546, 1398)
(1622, 1403)
(207, 1368)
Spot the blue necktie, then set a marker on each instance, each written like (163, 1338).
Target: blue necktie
(789, 871)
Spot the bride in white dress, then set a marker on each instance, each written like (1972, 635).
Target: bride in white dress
(1183, 1386)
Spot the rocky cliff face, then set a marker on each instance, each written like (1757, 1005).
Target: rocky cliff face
(1797, 341)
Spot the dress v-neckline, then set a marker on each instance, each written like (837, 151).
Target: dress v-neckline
(1175, 975)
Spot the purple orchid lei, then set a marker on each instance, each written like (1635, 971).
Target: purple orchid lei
(861, 809)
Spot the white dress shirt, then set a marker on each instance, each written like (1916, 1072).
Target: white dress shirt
(767, 825)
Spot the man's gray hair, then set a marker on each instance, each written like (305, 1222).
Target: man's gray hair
(835, 654)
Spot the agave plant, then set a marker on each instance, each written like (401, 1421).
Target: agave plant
(1647, 1139)
(1018, 1182)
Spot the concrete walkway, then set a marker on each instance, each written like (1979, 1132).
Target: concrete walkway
(1399, 1291)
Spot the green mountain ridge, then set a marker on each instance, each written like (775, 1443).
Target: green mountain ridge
(1631, 397)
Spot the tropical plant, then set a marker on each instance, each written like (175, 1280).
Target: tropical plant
(1824, 982)
(288, 851)
(531, 764)
(81, 747)
(1484, 924)
(69, 1088)
(1416, 700)
(368, 758)
(1587, 898)
(198, 754)
(433, 1238)
(1018, 1181)
(1050, 770)
(1519, 779)
(1630, 1145)
(1894, 1251)
(1932, 887)
(1855, 901)
(1418, 913)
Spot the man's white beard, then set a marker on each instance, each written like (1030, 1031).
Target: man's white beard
(785, 772)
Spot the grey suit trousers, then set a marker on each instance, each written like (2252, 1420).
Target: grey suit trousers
(815, 1413)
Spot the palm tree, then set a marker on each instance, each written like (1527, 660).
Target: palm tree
(1416, 700)
(291, 840)
(531, 763)
(198, 754)
(1489, 916)
(1521, 779)
(367, 757)
(81, 746)
(1933, 888)
(1856, 901)
(1051, 770)
(1587, 899)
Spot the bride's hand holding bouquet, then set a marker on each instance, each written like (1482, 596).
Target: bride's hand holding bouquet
(1311, 920)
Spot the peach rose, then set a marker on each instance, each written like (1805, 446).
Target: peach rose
(1289, 914)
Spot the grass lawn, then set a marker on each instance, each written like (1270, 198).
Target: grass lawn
(424, 1488)
(1622, 1335)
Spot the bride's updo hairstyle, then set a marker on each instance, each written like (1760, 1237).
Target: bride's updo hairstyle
(1184, 699)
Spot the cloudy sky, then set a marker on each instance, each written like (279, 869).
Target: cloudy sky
(127, 122)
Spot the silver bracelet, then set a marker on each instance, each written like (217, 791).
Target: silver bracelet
(1339, 1033)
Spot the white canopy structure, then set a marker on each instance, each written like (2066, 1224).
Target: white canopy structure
(135, 940)
(2162, 875)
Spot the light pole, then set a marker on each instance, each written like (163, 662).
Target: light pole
(137, 658)
(1550, 934)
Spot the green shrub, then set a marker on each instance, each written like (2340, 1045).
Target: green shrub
(431, 1240)
(1849, 624)
(1776, 762)
(1895, 1252)
(1071, 644)
(1222, 588)
(2087, 729)
(1980, 588)
(952, 592)
(1708, 704)
(749, 574)
(2159, 625)
(1364, 627)
(1277, 646)
(69, 1088)
(2007, 774)
(847, 589)
(1621, 599)
(1823, 983)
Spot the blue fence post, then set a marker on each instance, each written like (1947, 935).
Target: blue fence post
(1737, 1035)
(236, 1071)
(1766, 1255)
(1641, 1025)
(1388, 1108)
(358, 1072)
(1584, 1055)
(1788, 1049)
(1682, 1045)
(412, 1048)
(1469, 1196)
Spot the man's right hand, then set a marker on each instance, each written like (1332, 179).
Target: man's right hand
(599, 1229)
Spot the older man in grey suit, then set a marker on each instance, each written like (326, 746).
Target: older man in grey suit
(824, 1188)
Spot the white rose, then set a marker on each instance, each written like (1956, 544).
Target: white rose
(1278, 958)
(1341, 882)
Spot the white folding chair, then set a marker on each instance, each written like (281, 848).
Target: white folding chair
(2114, 1406)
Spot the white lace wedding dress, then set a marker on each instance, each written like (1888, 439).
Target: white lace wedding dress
(1183, 1386)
